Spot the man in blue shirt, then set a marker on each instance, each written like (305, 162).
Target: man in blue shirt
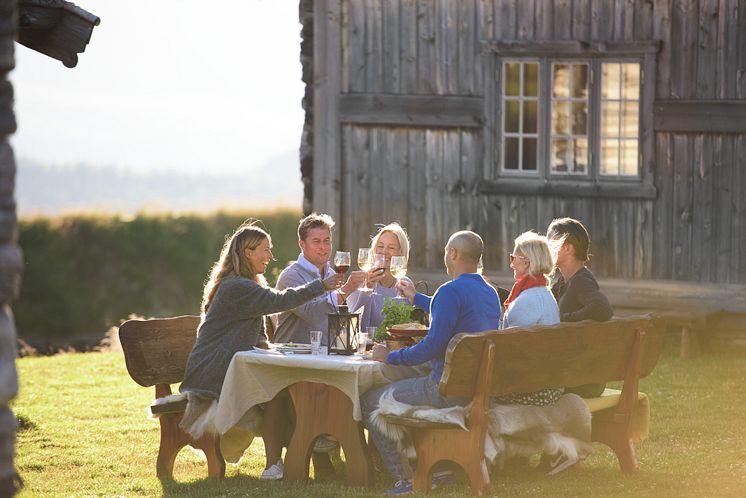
(465, 304)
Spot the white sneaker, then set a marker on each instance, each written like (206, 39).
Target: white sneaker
(274, 473)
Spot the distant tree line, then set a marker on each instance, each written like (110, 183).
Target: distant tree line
(84, 274)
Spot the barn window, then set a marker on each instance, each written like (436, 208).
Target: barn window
(569, 130)
(570, 99)
(521, 116)
(570, 117)
(620, 104)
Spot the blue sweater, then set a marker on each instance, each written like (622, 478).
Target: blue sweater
(465, 304)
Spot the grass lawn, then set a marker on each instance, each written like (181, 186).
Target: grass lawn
(84, 432)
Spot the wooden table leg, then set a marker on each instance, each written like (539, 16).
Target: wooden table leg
(325, 410)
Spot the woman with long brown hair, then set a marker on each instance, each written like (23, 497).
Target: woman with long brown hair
(235, 300)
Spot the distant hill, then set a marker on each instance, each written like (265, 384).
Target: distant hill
(52, 190)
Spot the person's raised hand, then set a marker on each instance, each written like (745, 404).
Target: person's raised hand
(333, 282)
(406, 289)
(375, 275)
(379, 353)
(354, 282)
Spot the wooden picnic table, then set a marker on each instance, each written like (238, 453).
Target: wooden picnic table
(325, 390)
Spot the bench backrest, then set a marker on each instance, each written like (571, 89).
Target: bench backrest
(567, 354)
(156, 350)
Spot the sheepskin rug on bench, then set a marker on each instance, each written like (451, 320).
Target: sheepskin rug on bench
(562, 429)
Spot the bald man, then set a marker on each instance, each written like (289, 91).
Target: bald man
(465, 304)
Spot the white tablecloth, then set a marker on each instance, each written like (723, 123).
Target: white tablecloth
(256, 377)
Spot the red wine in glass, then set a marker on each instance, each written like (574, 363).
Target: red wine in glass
(341, 262)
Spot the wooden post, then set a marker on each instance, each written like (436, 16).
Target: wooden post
(11, 261)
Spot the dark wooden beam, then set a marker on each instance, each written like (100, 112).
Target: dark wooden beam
(55, 28)
(704, 116)
(570, 47)
(412, 110)
(567, 188)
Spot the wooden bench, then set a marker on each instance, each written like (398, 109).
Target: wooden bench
(496, 363)
(156, 353)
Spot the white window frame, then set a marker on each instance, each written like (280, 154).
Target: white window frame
(520, 134)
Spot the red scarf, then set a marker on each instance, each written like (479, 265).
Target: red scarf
(523, 283)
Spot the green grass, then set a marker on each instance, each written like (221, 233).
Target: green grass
(84, 432)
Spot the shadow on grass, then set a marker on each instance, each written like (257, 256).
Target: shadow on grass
(251, 485)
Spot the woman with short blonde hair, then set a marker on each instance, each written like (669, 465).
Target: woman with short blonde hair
(531, 302)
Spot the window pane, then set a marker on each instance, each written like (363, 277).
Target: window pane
(579, 80)
(530, 113)
(579, 118)
(560, 118)
(629, 158)
(512, 116)
(610, 119)
(559, 155)
(530, 79)
(561, 81)
(630, 81)
(610, 80)
(512, 79)
(529, 153)
(511, 153)
(609, 156)
(629, 120)
(579, 162)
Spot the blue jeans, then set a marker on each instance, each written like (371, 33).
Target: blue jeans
(419, 391)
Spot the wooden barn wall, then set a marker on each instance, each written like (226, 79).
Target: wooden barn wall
(425, 177)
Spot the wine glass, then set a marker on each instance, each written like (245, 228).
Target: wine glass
(379, 262)
(365, 263)
(341, 262)
(398, 266)
(480, 266)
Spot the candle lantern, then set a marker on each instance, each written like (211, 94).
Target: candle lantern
(343, 331)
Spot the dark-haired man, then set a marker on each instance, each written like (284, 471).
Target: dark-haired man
(576, 290)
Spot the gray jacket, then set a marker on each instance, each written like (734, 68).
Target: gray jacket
(294, 325)
(234, 322)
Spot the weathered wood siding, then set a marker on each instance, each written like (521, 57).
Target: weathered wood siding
(425, 176)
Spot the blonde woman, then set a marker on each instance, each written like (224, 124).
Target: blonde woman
(530, 301)
(391, 240)
(235, 299)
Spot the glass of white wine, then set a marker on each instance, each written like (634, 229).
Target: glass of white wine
(398, 266)
(365, 263)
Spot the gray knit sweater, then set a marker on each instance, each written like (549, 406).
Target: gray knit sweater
(234, 323)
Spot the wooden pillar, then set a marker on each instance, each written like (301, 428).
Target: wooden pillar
(10, 254)
(305, 12)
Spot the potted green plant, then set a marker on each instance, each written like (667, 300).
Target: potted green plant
(395, 312)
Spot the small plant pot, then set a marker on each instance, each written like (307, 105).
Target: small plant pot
(398, 343)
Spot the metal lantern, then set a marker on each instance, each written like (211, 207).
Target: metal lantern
(343, 331)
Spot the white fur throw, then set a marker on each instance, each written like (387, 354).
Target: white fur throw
(562, 429)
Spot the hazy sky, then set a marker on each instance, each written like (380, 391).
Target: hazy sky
(167, 85)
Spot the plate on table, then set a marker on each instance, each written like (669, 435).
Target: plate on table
(408, 330)
(294, 348)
